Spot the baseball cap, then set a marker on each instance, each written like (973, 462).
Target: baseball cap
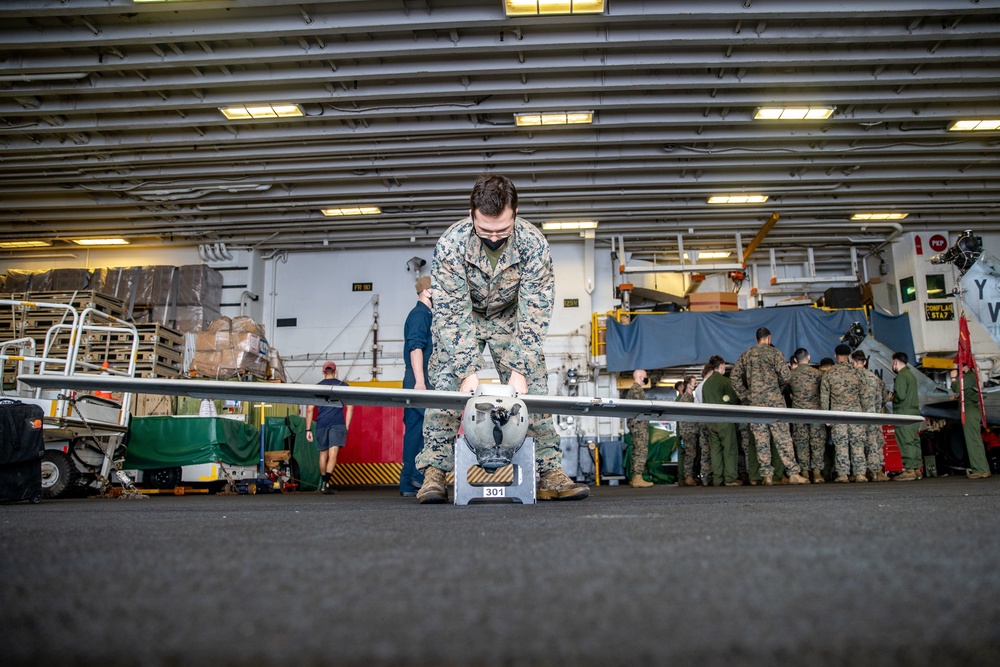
(329, 367)
(423, 283)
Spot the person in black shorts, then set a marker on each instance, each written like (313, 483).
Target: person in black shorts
(332, 423)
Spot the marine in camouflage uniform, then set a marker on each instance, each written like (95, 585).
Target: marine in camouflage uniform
(500, 296)
(873, 397)
(639, 428)
(840, 388)
(694, 435)
(758, 377)
(809, 439)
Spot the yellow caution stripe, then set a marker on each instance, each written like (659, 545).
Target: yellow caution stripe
(356, 474)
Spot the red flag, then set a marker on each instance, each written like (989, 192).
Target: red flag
(965, 361)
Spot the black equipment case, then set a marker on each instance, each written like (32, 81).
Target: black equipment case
(21, 449)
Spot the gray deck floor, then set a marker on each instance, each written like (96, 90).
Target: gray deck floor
(873, 574)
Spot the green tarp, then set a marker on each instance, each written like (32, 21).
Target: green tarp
(166, 442)
(662, 444)
(163, 442)
(290, 433)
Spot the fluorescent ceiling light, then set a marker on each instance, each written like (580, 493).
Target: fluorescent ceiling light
(557, 225)
(25, 244)
(879, 216)
(257, 111)
(100, 241)
(540, 7)
(711, 254)
(977, 125)
(737, 199)
(793, 113)
(351, 210)
(554, 118)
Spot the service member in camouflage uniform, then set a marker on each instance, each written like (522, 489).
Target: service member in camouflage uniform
(718, 390)
(906, 401)
(873, 397)
(492, 279)
(758, 377)
(639, 428)
(840, 389)
(695, 439)
(809, 439)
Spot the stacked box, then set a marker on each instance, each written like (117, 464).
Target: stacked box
(707, 302)
(231, 348)
(149, 405)
(120, 282)
(18, 280)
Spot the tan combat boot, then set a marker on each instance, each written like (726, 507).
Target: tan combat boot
(818, 476)
(637, 482)
(977, 475)
(690, 481)
(880, 477)
(767, 480)
(842, 479)
(908, 475)
(555, 485)
(860, 478)
(434, 490)
(796, 478)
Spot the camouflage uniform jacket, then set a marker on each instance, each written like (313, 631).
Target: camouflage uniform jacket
(874, 393)
(804, 385)
(840, 388)
(687, 427)
(636, 393)
(469, 293)
(759, 375)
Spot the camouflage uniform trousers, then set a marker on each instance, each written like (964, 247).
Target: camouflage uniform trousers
(640, 444)
(848, 448)
(441, 426)
(810, 444)
(763, 434)
(875, 448)
(695, 439)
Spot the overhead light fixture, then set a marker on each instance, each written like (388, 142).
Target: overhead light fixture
(351, 210)
(793, 113)
(542, 7)
(96, 242)
(25, 244)
(564, 225)
(554, 118)
(974, 125)
(879, 216)
(258, 111)
(737, 199)
(711, 254)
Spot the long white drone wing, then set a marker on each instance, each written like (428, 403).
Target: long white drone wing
(318, 394)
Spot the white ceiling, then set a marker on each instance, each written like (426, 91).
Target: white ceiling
(110, 122)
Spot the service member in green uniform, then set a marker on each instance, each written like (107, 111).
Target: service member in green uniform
(905, 401)
(718, 390)
(979, 467)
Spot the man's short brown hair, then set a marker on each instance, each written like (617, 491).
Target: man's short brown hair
(492, 193)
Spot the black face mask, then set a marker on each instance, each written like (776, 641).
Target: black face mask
(493, 245)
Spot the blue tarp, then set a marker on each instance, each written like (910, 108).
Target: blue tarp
(894, 332)
(687, 339)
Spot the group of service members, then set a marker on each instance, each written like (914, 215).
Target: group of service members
(775, 453)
